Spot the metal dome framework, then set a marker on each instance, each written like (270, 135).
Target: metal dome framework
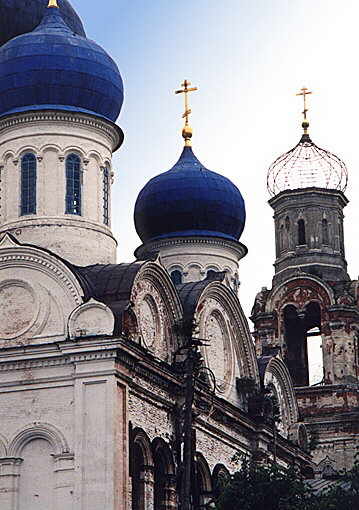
(305, 166)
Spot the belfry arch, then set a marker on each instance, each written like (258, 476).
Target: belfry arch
(299, 326)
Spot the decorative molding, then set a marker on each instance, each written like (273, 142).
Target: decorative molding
(112, 131)
(154, 246)
(47, 265)
(7, 242)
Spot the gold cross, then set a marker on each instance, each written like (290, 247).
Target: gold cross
(304, 92)
(53, 3)
(186, 91)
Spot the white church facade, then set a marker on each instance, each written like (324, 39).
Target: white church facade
(92, 351)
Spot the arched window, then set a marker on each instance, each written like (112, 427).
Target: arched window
(301, 232)
(138, 486)
(28, 184)
(164, 479)
(176, 277)
(73, 184)
(325, 233)
(106, 194)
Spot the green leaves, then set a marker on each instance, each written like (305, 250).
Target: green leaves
(271, 487)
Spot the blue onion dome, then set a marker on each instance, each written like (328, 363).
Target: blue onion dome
(18, 17)
(54, 68)
(189, 200)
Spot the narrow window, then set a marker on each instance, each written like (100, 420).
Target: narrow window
(176, 277)
(106, 194)
(73, 185)
(287, 224)
(301, 232)
(325, 234)
(28, 184)
(281, 238)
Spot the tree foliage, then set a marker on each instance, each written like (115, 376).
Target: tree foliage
(270, 487)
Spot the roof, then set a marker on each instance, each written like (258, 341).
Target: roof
(54, 68)
(18, 17)
(187, 201)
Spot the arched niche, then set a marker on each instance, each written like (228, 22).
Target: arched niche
(37, 478)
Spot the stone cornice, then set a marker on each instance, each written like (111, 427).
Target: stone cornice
(112, 131)
(155, 246)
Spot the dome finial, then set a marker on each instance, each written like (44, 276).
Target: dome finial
(305, 124)
(53, 3)
(187, 130)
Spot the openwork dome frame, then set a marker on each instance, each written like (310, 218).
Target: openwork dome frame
(305, 166)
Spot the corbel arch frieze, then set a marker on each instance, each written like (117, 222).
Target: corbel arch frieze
(44, 431)
(8, 155)
(242, 340)
(25, 149)
(50, 147)
(74, 149)
(96, 156)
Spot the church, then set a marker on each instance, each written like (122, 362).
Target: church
(138, 386)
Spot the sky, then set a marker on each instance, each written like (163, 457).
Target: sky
(248, 59)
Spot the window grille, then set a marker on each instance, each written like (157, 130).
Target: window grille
(73, 185)
(28, 184)
(106, 194)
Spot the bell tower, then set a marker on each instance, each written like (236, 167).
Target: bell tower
(313, 302)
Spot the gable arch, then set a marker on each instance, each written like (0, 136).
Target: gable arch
(3, 446)
(243, 344)
(45, 431)
(157, 305)
(46, 292)
(277, 374)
